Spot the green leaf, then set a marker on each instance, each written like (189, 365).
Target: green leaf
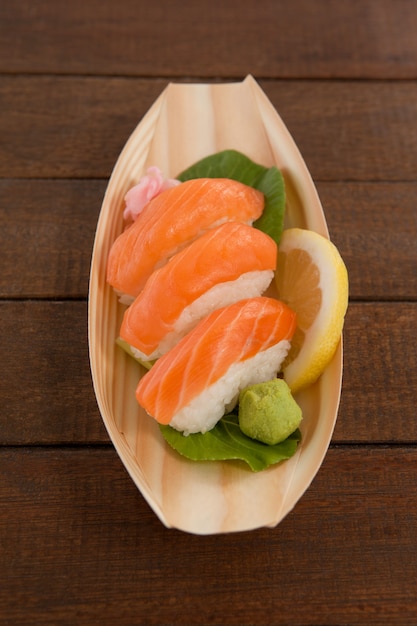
(271, 221)
(235, 165)
(227, 442)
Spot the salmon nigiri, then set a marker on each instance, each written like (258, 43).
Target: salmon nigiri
(192, 386)
(229, 263)
(172, 220)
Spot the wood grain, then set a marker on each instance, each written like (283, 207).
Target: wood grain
(45, 383)
(47, 395)
(373, 39)
(60, 127)
(374, 226)
(89, 550)
(380, 378)
(52, 225)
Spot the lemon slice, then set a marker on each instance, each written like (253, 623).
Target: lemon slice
(312, 279)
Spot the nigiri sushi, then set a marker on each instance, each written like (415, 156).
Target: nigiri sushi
(244, 343)
(229, 263)
(172, 220)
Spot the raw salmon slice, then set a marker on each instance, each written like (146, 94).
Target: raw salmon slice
(229, 263)
(172, 220)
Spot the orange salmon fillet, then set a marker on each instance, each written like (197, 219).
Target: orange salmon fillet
(172, 220)
(221, 255)
(229, 335)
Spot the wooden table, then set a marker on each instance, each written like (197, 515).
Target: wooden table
(79, 544)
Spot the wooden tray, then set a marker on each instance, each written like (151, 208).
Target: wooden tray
(186, 123)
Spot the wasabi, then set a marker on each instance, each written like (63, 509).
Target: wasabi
(268, 412)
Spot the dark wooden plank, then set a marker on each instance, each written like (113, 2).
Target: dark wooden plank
(68, 127)
(63, 127)
(46, 236)
(374, 225)
(45, 384)
(52, 223)
(80, 545)
(380, 377)
(47, 395)
(351, 130)
(324, 38)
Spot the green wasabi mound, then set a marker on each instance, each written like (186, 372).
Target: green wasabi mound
(268, 412)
